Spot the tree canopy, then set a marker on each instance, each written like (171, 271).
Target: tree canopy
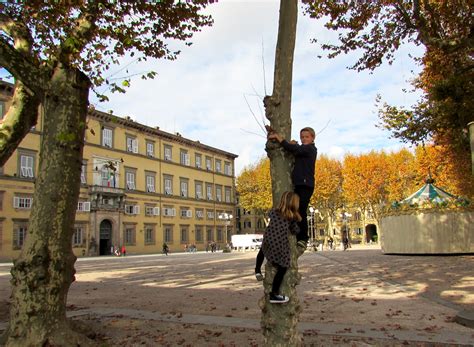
(37, 37)
(377, 29)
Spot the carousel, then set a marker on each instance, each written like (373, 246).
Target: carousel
(430, 221)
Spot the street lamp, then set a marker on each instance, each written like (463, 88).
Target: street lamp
(311, 223)
(226, 217)
(345, 217)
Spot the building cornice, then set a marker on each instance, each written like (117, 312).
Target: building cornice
(129, 123)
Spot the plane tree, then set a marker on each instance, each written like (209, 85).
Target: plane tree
(56, 52)
(377, 29)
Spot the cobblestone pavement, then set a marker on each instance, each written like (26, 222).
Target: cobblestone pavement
(358, 297)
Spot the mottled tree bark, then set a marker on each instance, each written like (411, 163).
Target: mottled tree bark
(279, 321)
(43, 273)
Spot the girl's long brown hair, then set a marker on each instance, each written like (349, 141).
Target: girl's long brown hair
(288, 207)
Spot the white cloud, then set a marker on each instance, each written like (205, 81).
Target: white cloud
(201, 94)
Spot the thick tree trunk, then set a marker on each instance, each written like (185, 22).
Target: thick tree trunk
(43, 273)
(279, 321)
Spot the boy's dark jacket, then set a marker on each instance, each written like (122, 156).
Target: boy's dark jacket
(305, 160)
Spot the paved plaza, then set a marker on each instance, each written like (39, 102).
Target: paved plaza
(358, 297)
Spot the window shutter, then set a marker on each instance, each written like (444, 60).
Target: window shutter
(136, 209)
(189, 213)
(173, 212)
(86, 206)
(135, 146)
(156, 211)
(16, 202)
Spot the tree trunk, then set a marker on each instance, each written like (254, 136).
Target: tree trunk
(471, 141)
(279, 321)
(43, 273)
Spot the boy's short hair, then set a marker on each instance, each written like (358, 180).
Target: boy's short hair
(310, 130)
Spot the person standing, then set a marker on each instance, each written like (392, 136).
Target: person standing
(276, 245)
(123, 251)
(303, 172)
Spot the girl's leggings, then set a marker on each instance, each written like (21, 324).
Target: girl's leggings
(278, 278)
(281, 270)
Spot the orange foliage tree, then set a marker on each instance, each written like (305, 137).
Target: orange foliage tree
(449, 167)
(254, 187)
(327, 195)
(402, 176)
(365, 182)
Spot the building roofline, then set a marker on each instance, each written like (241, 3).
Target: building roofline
(128, 122)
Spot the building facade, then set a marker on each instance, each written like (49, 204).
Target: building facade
(140, 187)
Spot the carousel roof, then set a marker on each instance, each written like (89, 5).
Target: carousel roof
(429, 192)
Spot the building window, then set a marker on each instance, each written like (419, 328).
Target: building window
(19, 234)
(184, 234)
(108, 177)
(150, 149)
(168, 233)
(186, 212)
(27, 165)
(22, 202)
(321, 232)
(198, 189)
(218, 192)
(198, 159)
(209, 234)
(151, 210)
(150, 182)
(83, 206)
(169, 212)
(199, 235)
(149, 234)
(130, 179)
(132, 209)
(227, 168)
(168, 184)
(78, 236)
(107, 137)
(218, 166)
(228, 194)
(184, 158)
(199, 213)
(84, 172)
(220, 234)
(129, 235)
(357, 215)
(184, 187)
(168, 152)
(209, 191)
(208, 163)
(132, 144)
(210, 214)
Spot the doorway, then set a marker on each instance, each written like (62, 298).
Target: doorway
(105, 237)
(371, 233)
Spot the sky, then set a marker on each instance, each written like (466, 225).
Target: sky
(202, 95)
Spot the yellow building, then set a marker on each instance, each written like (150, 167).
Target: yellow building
(141, 187)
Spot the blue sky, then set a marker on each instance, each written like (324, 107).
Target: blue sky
(201, 94)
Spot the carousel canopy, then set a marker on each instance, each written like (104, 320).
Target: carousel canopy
(429, 192)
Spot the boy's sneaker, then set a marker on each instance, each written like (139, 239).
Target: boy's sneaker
(278, 299)
(259, 276)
